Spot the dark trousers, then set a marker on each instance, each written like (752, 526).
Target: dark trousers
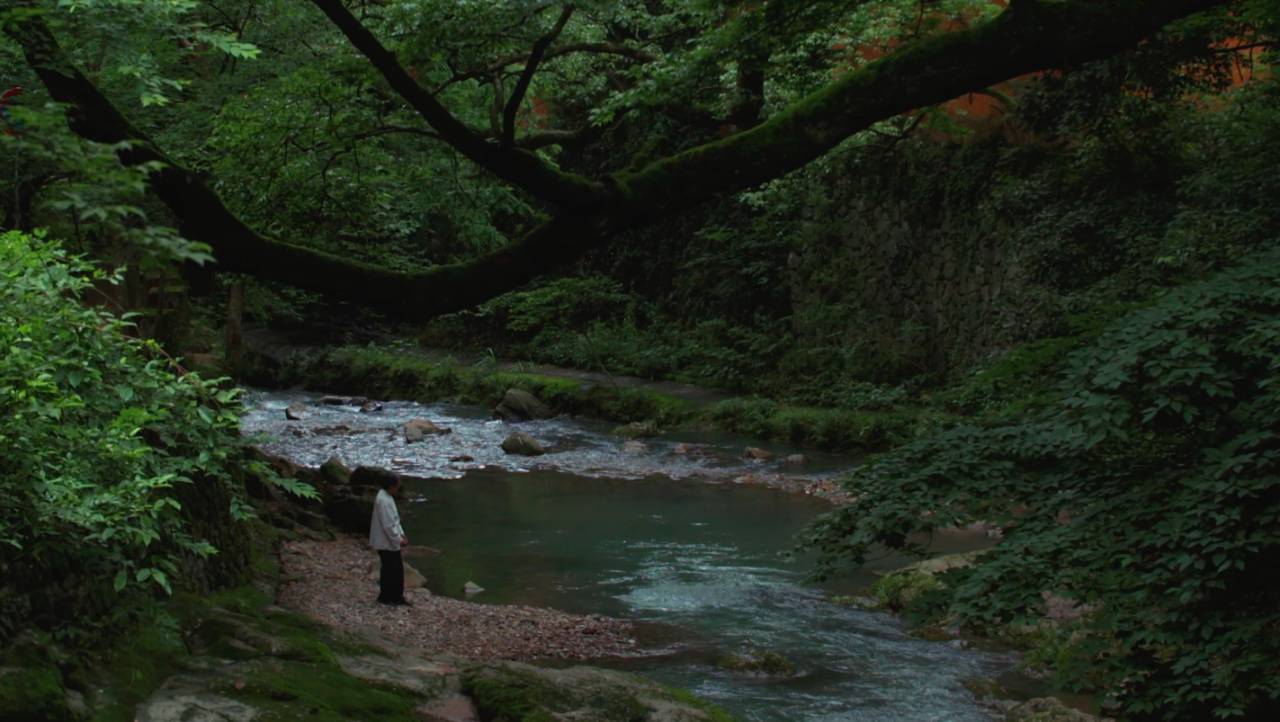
(391, 577)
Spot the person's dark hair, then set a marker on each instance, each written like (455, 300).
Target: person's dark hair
(389, 480)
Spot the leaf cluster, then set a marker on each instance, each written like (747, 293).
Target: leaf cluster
(1147, 492)
(101, 431)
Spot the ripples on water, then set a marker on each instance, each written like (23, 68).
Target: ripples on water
(695, 564)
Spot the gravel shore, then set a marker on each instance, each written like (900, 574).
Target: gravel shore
(329, 581)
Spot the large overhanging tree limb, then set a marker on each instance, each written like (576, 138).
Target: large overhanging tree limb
(1035, 35)
(203, 217)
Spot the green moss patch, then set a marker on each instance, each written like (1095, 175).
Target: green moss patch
(519, 693)
(32, 693)
(287, 690)
(502, 695)
(712, 712)
(133, 668)
(765, 662)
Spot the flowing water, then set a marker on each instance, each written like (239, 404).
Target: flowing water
(650, 536)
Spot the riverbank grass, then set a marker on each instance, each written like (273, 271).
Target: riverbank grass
(387, 373)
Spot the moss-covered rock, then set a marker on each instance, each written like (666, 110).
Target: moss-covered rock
(757, 661)
(289, 690)
(638, 429)
(900, 589)
(512, 692)
(31, 693)
(520, 405)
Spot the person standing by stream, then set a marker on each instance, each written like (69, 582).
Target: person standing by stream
(388, 538)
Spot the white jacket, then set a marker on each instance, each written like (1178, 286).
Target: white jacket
(385, 532)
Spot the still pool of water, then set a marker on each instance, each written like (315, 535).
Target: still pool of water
(653, 537)
(700, 566)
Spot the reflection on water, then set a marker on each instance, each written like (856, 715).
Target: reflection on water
(704, 559)
(697, 565)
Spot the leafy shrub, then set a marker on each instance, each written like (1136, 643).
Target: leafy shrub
(1148, 490)
(821, 428)
(100, 431)
(564, 302)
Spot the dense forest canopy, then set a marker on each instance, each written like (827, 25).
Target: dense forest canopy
(546, 77)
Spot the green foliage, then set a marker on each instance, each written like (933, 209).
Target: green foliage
(902, 589)
(821, 428)
(80, 190)
(592, 323)
(33, 691)
(1023, 377)
(563, 302)
(396, 374)
(1148, 490)
(510, 696)
(99, 429)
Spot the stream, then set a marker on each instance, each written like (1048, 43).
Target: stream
(660, 538)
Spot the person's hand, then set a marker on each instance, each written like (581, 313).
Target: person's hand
(404, 542)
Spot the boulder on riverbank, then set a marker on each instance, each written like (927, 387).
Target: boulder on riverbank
(519, 444)
(296, 411)
(638, 429)
(418, 429)
(349, 504)
(755, 453)
(334, 472)
(757, 661)
(372, 477)
(343, 400)
(520, 405)
(898, 589)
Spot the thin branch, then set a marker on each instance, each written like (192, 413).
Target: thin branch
(540, 139)
(516, 166)
(495, 107)
(522, 85)
(497, 66)
(388, 129)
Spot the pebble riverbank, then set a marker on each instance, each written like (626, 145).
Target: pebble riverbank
(329, 581)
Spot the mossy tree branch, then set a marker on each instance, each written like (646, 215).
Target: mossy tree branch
(1032, 37)
(1037, 36)
(203, 217)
